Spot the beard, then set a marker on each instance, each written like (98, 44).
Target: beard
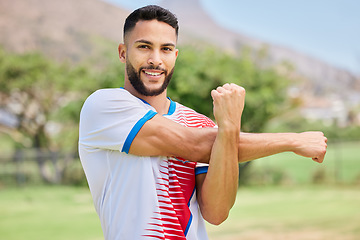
(139, 86)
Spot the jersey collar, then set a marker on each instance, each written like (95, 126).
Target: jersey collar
(172, 106)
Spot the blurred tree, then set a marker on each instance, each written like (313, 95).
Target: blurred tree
(44, 97)
(200, 70)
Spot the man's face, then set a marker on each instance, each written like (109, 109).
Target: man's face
(150, 56)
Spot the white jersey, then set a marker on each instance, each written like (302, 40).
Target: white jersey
(137, 197)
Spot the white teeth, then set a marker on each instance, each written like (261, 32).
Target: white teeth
(153, 73)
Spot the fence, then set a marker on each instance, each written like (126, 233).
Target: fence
(341, 166)
(39, 166)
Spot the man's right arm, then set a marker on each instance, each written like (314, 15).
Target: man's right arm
(163, 137)
(160, 136)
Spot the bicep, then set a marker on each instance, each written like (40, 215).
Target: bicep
(160, 136)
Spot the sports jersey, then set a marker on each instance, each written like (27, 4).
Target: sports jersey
(137, 197)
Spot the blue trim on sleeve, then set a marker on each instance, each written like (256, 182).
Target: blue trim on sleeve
(134, 131)
(201, 170)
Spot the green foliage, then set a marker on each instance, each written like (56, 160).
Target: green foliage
(198, 71)
(45, 97)
(293, 122)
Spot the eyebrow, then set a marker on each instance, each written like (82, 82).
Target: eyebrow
(150, 43)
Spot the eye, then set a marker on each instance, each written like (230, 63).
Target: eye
(167, 49)
(143, 47)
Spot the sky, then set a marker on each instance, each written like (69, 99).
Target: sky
(325, 29)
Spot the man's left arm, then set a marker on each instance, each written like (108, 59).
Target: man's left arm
(216, 190)
(307, 144)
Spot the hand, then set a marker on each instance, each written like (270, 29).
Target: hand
(228, 103)
(311, 144)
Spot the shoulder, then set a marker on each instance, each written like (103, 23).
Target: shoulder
(110, 93)
(111, 96)
(112, 100)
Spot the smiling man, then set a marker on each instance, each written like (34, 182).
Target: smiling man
(157, 169)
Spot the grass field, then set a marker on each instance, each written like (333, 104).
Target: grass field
(37, 213)
(311, 213)
(282, 203)
(306, 212)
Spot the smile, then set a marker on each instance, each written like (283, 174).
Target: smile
(153, 73)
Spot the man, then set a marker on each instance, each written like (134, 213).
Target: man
(141, 151)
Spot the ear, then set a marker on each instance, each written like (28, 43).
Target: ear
(122, 52)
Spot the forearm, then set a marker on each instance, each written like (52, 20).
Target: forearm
(219, 188)
(257, 145)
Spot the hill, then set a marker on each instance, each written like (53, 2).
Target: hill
(62, 29)
(196, 23)
(75, 29)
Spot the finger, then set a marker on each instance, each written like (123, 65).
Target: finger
(221, 89)
(319, 159)
(232, 87)
(316, 159)
(238, 89)
(214, 94)
(241, 91)
(235, 86)
(227, 86)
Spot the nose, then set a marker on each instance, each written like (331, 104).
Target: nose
(155, 59)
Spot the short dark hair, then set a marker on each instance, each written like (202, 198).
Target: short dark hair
(150, 12)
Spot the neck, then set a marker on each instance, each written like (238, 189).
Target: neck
(160, 102)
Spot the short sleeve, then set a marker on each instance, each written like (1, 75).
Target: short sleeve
(201, 168)
(111, 118)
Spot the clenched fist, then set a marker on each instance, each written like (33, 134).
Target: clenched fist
(310, 144)
(228, 102)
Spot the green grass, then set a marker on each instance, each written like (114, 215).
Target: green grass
(292, 213)
(312, 212)
(48, 213)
